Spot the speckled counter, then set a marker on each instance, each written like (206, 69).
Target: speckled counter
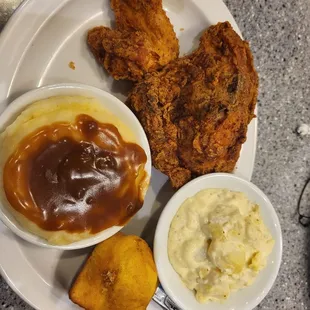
(279, 33)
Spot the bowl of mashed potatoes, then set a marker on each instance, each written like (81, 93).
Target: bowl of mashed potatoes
(75, 166)
(218, 244)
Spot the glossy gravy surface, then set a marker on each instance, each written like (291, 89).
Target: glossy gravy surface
(76, 177)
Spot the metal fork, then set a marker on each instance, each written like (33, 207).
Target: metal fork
(164, 300)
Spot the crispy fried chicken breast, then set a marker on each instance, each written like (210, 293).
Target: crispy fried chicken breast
(143, 41)
(196, 110)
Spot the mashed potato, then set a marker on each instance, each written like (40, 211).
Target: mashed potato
(42, 113)
(218, 243)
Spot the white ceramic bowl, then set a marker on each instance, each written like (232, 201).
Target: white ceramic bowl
(244, 299)
(112, 104)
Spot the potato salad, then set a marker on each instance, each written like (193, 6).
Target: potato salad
(218, 243)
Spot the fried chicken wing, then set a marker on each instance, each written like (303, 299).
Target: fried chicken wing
(196, 110)
(144, 40)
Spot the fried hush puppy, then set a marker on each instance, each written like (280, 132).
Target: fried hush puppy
(120, 274)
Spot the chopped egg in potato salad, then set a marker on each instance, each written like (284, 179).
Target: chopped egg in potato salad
(218, 243)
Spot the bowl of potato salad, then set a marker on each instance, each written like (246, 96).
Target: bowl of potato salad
(218, 244)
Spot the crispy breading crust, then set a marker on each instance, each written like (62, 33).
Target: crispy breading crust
(143, 41)
(195, 111)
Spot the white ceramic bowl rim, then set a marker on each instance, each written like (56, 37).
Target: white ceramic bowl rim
(171, 281)
(125, 114)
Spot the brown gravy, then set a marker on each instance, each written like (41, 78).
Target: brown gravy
(76, 177)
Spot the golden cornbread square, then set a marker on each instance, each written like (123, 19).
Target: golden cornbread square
(120, 274)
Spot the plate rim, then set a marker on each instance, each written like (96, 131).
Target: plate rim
(4, 36)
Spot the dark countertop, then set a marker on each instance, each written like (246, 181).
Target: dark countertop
(280, 40)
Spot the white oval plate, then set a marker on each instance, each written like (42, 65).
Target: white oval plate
(36, 47)
(245, 299)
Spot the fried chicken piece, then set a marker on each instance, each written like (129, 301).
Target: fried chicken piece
(124, 54)
(196, 110)
(144, 40)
